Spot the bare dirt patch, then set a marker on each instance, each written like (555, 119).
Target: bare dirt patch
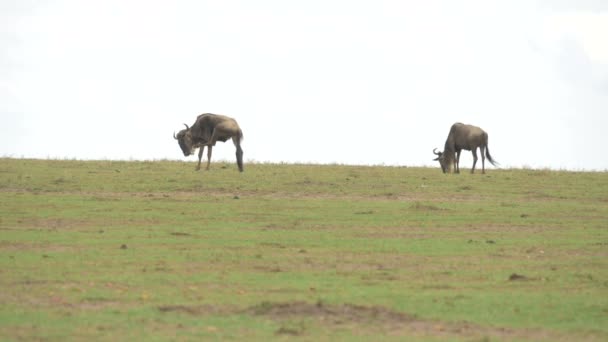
(425, 207)
(328, 313)
(366, 319)
(97, 303)
(35, 223)
(197, 310)
(518, 277)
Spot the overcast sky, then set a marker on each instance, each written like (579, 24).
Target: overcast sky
(353, 82)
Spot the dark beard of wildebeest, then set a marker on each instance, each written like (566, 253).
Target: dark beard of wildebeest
(464, 137)
(206, 131)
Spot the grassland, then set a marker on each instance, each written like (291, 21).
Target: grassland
(150, 251)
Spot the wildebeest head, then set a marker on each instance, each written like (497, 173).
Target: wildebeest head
(184, 139)
(443, 159)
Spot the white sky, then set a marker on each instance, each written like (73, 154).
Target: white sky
(355, 82)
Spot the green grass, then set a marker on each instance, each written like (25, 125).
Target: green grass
(154, 250)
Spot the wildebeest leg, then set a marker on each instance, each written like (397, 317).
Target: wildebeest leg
(200, 156)
(474, 150)
(208, 156)
(214, 135)
(239, 152)
(458, 161)
(222, 131)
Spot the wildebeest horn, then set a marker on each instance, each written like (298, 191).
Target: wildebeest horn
(436, 152)
(174, 137)
(187, 128)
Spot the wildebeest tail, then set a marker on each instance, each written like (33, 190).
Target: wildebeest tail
(490, 159)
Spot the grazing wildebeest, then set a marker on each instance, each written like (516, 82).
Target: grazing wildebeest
(206, 131)
(464, 137)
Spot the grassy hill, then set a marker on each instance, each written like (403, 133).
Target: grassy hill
(154, 250)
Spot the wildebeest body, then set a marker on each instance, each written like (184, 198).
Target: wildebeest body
(464, 137)
(206, 131)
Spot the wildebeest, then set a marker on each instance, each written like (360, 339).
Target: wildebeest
(206, 131)
(464, 137)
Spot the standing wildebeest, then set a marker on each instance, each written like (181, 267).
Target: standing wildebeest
(206, 131)
(464, 137)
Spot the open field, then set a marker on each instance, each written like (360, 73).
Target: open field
(155, 251)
